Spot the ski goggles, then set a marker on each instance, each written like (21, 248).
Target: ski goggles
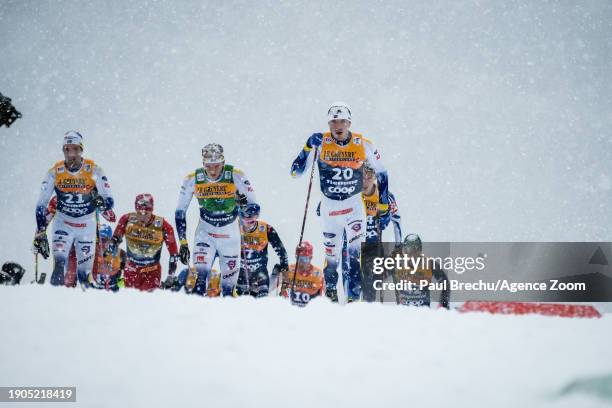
(304, 259)
(144, 204)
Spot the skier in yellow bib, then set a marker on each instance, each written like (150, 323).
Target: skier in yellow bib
(341, 155)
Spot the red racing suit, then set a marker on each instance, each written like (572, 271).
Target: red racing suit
(144, 243)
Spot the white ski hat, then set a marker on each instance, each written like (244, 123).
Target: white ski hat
(212, 153)
(339, 110)
(73, 137)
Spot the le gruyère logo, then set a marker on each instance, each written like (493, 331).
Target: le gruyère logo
(142, 234)
(70, 182)
(213, 190)
(339, 156)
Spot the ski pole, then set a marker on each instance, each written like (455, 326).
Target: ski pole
(381, 254)
(36, 267)
(314, 161)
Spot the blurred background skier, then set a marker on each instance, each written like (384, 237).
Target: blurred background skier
(108, 270)
(256, 235)
(413, 247)
(303, 281)
(145, 234)
(373, 235)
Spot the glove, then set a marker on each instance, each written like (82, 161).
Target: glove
(172, 265)
(297, 168)
(109, 215)
(299, 164)
(315, 140)
(41, 244)
(99, 203)
(279, 268)
(184, 252)
(241, 200)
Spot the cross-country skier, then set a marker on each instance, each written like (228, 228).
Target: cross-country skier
(308, 278)
(413, 247)
(341, 155)
(145, 234)
(371, 200)
(256, 234)
(212, 289)
(81, 188)
(107, 271)
(216, 186)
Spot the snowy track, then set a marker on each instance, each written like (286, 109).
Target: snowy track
(136, 349)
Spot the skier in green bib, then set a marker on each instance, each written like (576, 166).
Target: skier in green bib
(217, 187)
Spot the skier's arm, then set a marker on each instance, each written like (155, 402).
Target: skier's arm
(440, 275)
(116, 238)
(180, 215)
(301, 163)
(51, 210)
(120, 229)
(46, 190)
(169, 239)
(103, 188)
(173, 250)
(373, 156)
(244, 187)
(278, 246)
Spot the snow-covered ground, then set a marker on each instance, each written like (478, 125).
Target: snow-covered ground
(170, 349)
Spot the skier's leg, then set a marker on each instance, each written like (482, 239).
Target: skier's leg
(130, 275)
(203, 256)
(228, 248)
(63, 238)
(345, 263)
(355, 226)
(70, 275)
(333, 228)
(150, 277)
(242, 284)
(85, 247)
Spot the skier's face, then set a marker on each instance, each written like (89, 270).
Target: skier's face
(213, 170)
(72, 154)
(249, 223)
(412, 252)
(369, 179)
(303, 264)
(144, 215)
(340, 129)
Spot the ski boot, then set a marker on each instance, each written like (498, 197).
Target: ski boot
(332, 294)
